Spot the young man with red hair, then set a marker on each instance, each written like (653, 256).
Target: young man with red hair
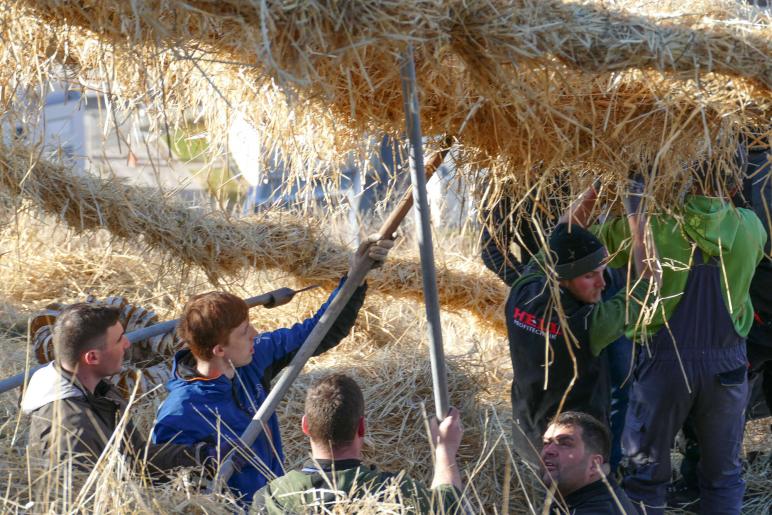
(223, 376)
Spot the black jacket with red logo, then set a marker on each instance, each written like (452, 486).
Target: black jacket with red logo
(539, 347)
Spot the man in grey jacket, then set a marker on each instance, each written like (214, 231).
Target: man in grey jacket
(75, 412)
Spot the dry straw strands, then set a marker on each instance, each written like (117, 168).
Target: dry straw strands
(224, 246)
(584, 84)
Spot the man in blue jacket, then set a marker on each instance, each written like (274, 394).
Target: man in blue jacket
(223, 376)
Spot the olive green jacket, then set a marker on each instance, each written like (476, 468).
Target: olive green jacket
(322, 485)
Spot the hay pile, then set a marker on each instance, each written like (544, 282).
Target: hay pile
(223, 245)
(561, 84)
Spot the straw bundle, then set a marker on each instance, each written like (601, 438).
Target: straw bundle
(221, 245)
(294, 41)
(559, 83)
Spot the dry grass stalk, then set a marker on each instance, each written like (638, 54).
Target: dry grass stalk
(563, 84)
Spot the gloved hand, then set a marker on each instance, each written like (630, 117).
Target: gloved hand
(211, 456)
(373, 247)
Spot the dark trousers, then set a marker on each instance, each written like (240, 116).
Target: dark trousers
(759, 381)
(694, 368)
(660, 404)
(760, 362)
(620, 357)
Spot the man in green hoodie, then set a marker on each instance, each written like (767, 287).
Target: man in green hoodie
(693, 358)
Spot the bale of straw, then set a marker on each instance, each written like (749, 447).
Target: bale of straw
(222, 245)
(561, 84)
(293, 41)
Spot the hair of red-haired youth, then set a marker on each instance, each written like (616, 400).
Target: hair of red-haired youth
(208, 319)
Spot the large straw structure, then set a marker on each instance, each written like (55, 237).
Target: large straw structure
(562, 84)
(226, 246)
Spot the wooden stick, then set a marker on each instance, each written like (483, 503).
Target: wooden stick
(328, 318)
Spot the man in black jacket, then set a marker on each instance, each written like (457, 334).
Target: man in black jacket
(575, 455)
(75, 412)
(556, 337)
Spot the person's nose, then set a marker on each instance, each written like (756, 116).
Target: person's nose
(126, 342)
(548, 450)
(601, 282)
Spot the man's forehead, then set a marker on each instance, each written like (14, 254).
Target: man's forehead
(556, 430)
(116, 328)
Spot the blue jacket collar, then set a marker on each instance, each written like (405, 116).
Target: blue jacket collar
(184, 373)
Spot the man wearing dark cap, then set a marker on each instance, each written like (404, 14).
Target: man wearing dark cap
(557, 327)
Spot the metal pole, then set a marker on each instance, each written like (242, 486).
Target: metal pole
(288, 376)
(424, 233)
(267, 299)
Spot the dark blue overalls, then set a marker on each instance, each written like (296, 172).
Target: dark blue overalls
(715, 366)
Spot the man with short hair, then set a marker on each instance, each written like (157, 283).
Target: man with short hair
(75, 411)
(504, 229)
(334, 422)
(575, 456)
(556, 337)
(223, 376)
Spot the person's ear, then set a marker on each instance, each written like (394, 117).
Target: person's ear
(91, 357)
(597, 463)
(218, 350)
(361, 430)
(304, 425)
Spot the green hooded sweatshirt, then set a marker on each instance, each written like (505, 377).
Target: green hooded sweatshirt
(735, 236)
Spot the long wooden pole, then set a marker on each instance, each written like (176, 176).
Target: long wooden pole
(328, 318)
